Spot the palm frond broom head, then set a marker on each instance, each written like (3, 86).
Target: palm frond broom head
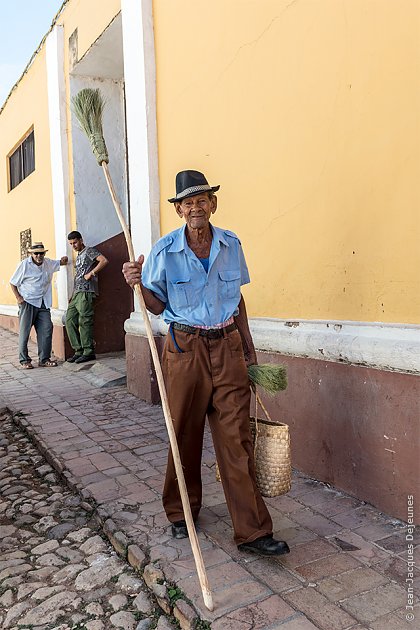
(88, 107)
(271, 378)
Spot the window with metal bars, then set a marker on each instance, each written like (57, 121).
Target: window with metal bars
(22, 161)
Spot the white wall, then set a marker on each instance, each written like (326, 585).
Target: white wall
(95, 214)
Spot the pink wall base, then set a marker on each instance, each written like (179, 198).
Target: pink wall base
(353, 427)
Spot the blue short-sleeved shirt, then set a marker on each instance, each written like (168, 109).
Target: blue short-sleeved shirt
(193, 296)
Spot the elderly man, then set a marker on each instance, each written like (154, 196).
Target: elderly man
(31, 286)
(193, 276)
(81, 309)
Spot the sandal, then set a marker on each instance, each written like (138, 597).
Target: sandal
(26, 366)
(48, 363)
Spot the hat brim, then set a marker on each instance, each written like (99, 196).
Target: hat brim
(193, 194)
(37, 251)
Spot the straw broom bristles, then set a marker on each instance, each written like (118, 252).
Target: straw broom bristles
(271, 378)
(88, 107)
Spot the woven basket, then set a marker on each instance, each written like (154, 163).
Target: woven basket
(273, 462)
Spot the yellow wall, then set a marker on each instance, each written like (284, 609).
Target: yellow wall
(306, 113)
(28, 205)
(90, 18)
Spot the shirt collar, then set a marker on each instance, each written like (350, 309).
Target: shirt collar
(180, 241)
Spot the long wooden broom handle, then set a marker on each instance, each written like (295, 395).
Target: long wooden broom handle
(202, 576)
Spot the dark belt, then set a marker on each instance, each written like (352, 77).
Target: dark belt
(212, 333)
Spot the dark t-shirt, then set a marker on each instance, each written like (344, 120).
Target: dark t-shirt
(85, 261)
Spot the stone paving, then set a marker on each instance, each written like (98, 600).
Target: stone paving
(56, 570)
(348, 563)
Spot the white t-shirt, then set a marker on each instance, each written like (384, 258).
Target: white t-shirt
(34, 281)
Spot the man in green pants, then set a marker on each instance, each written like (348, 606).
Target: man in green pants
(80, 311)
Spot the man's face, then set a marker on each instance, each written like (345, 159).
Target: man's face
(77, 244)
(197, 210)
(38, 258)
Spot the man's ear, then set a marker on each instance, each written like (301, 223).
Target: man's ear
(178, 209)
(214, 204)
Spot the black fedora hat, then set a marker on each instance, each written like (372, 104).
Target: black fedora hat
(190, 183)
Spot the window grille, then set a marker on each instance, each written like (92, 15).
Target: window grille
(22, 161)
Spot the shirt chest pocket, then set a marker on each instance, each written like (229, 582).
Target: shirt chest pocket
(230, 283)
(181, 293)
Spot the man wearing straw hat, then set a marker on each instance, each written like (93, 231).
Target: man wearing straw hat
(193, 277)
(31, 286)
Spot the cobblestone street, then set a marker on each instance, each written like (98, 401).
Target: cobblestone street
(347, 567)
(56, 571)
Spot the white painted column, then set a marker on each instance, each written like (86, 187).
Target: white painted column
(59, 158)
(140, 98)
(142, 146)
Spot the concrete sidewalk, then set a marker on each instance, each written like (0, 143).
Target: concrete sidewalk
(347, 567)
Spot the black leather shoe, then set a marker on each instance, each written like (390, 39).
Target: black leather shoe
(179, 530)
(73, 358)
(85, 357)
(266, 546)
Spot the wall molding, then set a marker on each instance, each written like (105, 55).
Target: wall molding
(382, 346)
(58, 316)
(11, 310)
(394, 347)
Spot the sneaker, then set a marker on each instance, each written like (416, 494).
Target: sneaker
(73, 358)
(85, 357)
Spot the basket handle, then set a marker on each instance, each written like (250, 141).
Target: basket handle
(258, 401)
(261, 404)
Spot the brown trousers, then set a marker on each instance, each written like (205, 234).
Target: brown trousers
(210, 378)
